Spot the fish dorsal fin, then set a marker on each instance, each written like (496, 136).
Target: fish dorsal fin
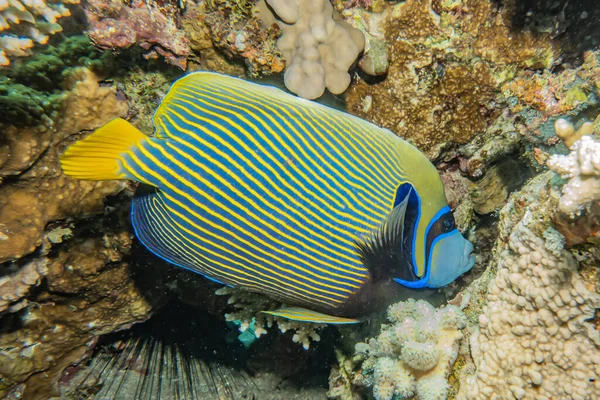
(195, 103)
(304, 315)
(381, 250)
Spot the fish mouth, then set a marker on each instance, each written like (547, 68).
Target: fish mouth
(468, 258)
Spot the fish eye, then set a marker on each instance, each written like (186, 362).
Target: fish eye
(448, 222)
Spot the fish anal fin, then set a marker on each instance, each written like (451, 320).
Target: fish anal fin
(304, 315)
(97, 156)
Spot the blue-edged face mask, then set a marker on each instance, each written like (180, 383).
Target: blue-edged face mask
(448, 253)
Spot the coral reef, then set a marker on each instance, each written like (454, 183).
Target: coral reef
(582, 168)
(447, 61)
(248, 312)
(23, 23)
(319, 47)
(413, 355)
(535, 338)
(82, 285)
(88, 292)
(115, 25)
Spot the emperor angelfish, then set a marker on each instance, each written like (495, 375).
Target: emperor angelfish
(257, 189)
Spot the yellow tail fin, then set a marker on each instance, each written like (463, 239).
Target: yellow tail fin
(97, 156)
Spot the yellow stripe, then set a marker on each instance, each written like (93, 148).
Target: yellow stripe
(282, 131)
(195, 105)
(250, 177)
(240, 206)
(232, 234)
(360, 228)
(323, 114)
(221, 270)
(266, 105)
(226, 250)
(234, 177)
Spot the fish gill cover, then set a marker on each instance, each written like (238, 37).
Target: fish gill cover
(501, 96)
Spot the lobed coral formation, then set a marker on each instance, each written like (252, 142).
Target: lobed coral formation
(319, 47)
(412, 356)
(582, 168)
(21, 25)
(535, 339)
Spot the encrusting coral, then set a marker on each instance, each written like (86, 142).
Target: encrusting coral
(116, 25)
(447, 62)
(319, 47)
(536, 338)
(25, 209)
(413, 355)
(23, 22)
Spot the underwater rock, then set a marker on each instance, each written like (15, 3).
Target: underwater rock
(536, 337)
(489, 194)
(114, 25)
(24, 206)
(89, 292)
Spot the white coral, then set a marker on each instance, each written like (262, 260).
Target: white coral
(319, 47)
(582, 166)
(250, 306)
(24, 22)
(415, 352)
(535, 339)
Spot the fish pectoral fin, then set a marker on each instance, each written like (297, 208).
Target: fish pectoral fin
(383, 245)
(304, 315)
(97, 156)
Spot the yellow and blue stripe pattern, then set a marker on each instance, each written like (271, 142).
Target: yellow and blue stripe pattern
(257, 192)
(258, 189)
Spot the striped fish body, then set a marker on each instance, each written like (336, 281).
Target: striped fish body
(261, 190)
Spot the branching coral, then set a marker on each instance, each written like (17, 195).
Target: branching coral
(582, 167)
(535, 340)
(319, 47)
(248, 311)
(21, 24)
(413, 355)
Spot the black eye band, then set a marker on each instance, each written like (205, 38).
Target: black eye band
(444, 224)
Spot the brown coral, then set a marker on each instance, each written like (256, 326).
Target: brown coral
(446, 65)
